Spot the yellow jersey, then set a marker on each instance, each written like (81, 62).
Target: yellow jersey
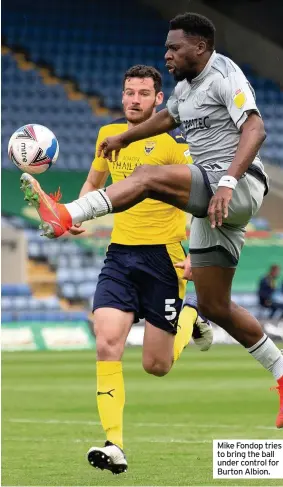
(150, 222)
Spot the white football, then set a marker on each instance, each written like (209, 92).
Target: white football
(33, 148)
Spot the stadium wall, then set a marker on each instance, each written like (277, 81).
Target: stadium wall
(14, 254)
(255, 15)
(274, 200)
(244, 45)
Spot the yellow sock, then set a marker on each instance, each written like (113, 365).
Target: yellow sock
(111, 399)
(186, 322)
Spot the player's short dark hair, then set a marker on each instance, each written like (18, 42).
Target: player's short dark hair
(142, 71)
(274, 267)
(195, 25)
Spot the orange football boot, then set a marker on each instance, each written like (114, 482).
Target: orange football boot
(279, 419)
(55, 218)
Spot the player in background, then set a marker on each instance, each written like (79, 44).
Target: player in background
(223, 189)
(139, 279)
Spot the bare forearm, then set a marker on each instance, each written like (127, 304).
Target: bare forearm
(158, 124)
(86, 188)
(94, 181)
(250, 142)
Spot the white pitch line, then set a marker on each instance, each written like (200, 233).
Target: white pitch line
(90, 440)
(172, 440)
(139, 425)
(53, 421)
(185, 425)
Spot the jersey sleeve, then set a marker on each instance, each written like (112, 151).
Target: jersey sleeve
(172, 106)
(238, 96)
(177, 154)
(100, 163)
(178, 149)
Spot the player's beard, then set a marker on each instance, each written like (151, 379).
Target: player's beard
(179, 76)
(140, 116)
(188, 73)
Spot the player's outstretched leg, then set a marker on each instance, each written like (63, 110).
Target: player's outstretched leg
(279, 419)
(202, 330)
(170, 184)
(215, 303)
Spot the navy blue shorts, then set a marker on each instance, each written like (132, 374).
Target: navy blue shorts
(142, 279)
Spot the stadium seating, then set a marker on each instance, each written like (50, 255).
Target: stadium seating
(46, 316)
(76, 269)
(94, 50)
(15, 290)
(26, 99)
(88, 46)
(18, 304)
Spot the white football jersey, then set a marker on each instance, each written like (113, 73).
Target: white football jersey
(212, 108)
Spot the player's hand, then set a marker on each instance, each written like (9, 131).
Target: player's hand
(110, 147)
(186, 266)
(76, 230)
(219, 206)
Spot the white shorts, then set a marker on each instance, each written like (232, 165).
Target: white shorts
(220, 246)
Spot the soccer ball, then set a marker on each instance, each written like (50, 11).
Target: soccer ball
(33, 148)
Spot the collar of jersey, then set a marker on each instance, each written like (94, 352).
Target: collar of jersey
(206, 69)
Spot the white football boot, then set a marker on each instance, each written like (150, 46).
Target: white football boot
(202, 330)
(110, 457)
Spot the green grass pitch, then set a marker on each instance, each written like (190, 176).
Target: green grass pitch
(49, 417)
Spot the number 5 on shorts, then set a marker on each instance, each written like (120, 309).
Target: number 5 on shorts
(170, 309)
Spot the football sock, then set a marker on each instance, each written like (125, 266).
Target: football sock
(111, 399)
(186, 323)
(89, 206)
(270, 357)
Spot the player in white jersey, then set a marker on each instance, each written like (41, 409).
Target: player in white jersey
(223, 189)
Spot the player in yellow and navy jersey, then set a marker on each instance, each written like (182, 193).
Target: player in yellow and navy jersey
(150, 222)
(139, 278)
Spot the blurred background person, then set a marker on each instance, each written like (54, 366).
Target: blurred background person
(267, 295)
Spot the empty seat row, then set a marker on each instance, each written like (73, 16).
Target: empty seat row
(75, 261)
(15, 290)
(44, 316)
(77, 274)
(9, 303)
(73, 291)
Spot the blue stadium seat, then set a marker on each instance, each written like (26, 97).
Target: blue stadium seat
(15, 290)
(29, 303)
(6, 303)
(7, 316)
(49, 316)
(68, 290)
